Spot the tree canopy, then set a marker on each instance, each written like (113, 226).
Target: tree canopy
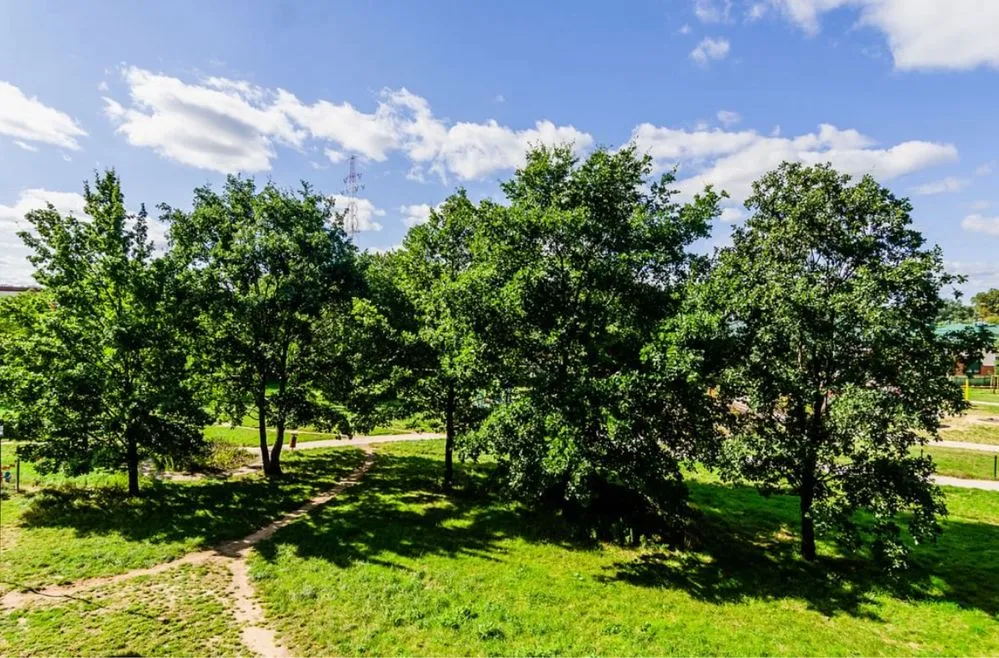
(825, 296)
(261, 268)
(99, 373)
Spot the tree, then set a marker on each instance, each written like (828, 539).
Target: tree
(369, 350)
(827, 296)
(433, 270)
(100, 376)
(986, 305)
(262, 267)
(585, 264)
(953, 311)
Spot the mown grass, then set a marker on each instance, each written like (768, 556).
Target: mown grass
(180, 612)
(969, 464)
(63, 534)
(979, 424)
(393, 567)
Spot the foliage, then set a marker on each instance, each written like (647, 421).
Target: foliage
(368, 347)
(583, 266)
(261, 268)
(434, 273)
(825, 295)
(986, 305)
(953, 311)
(100, 376)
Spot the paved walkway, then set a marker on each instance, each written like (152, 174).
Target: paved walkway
(967, 445)
(356, 441)
(947, 481)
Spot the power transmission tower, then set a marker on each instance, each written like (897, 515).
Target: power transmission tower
(351, 224)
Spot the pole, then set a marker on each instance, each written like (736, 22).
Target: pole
(17, 478)
(967, 388)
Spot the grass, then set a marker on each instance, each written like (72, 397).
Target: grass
(58, 535)
(179, 612)
(967, 464)
(246, 436)
(979, 424)
(394, 567)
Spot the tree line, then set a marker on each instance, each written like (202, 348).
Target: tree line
(575, 332)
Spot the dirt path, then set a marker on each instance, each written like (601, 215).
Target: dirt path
(987, 485)
(244, 606)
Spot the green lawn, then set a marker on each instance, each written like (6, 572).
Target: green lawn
(983, 395)
(979, 424)
(58, 535)
(968, 464)
(393, 567)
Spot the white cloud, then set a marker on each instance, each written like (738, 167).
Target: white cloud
(948, 184)
(14, 266)
(921, 34)
(984, 169)
(415, 214)
(500, 98)
(981, 224)
(980, 205)
(709, 49)
(756, 11)
(336, 157)
(712, 11)
(230, 125)
(30, 120)
(981, 275)
(685, 29)
(729, 215)
(26, 147)
(733, 160)
(102, 86)
(728, 118)
(219, 126)
(366, 212)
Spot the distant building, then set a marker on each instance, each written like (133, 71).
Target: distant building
(987, 368)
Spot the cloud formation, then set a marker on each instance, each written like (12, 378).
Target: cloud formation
(30, 120)
(732, 160)
(231, 125)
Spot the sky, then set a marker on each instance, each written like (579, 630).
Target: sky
(435, 95)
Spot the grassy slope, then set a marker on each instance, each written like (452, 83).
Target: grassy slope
(244, 436)
(979, 424)
(963, 463)
(62, 535)
(393, 567)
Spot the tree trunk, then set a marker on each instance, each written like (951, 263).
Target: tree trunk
(449, 440)
(274, 468)
(132, 457)
(262, 427)
(807, 494)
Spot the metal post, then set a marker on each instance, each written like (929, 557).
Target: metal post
(17, 478)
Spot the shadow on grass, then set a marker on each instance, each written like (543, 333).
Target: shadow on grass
(745, 544)
(748, 550)
(400, 511)
(206, 510)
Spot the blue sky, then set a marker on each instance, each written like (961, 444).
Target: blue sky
(435, 95)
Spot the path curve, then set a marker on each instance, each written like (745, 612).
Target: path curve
(246, 609)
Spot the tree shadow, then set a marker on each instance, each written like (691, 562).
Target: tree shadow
(208, 510)
(745, 548)
(399, 511)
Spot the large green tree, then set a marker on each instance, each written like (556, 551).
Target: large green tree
(583, 266)
(827, 297)
(100, 374)
(986, 305)
(261, 268)
(434, 274)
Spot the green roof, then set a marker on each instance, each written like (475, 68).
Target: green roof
(958, 326)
